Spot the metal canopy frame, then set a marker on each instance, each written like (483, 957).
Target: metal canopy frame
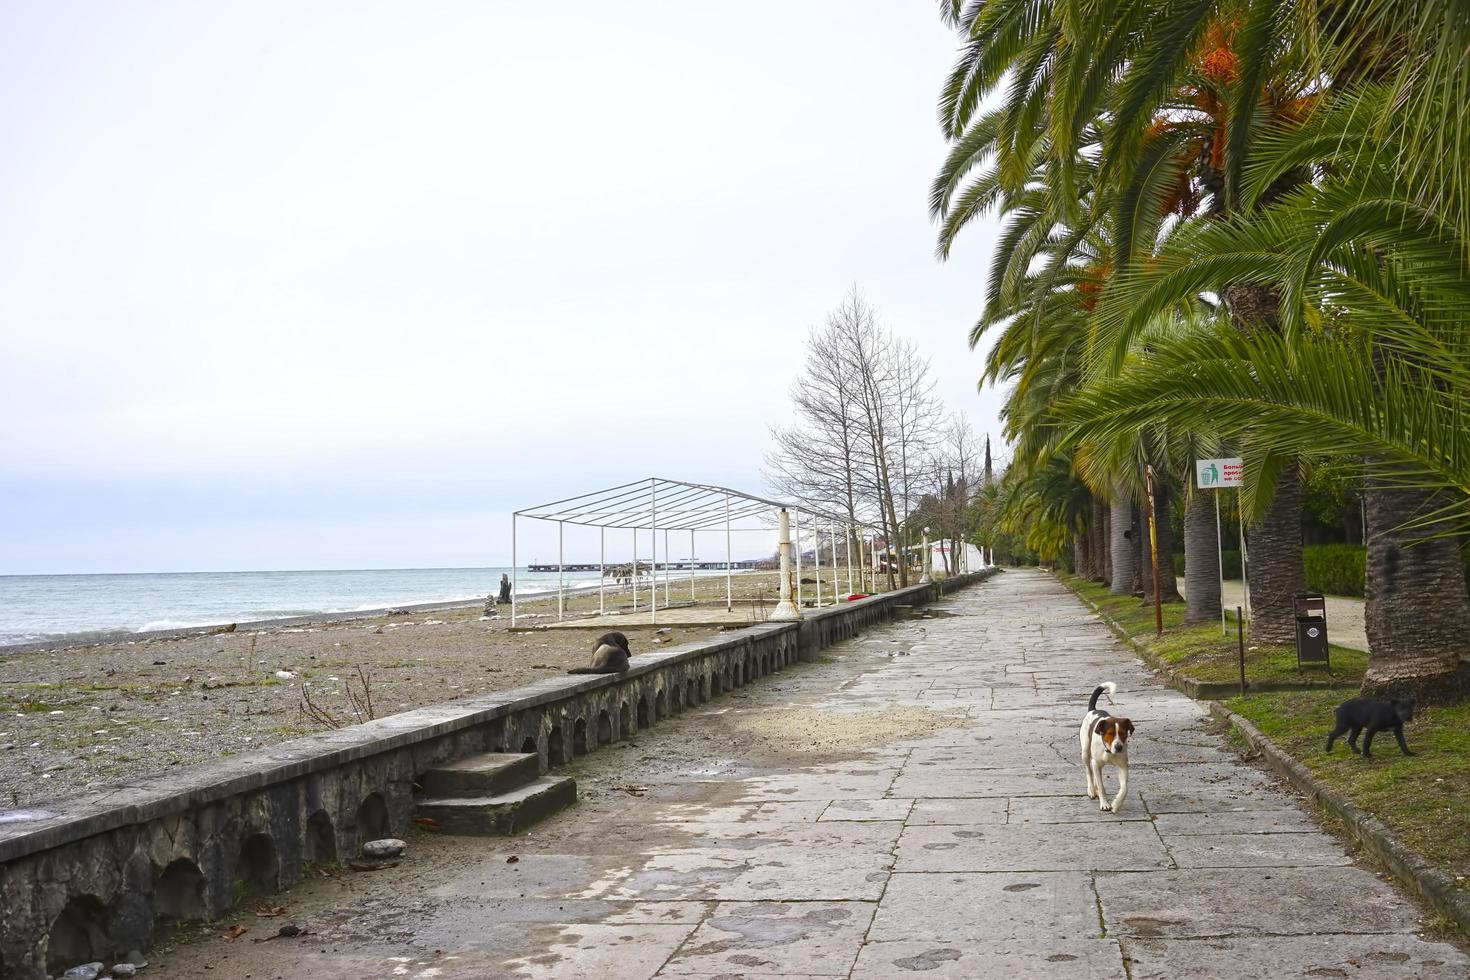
(659, 504)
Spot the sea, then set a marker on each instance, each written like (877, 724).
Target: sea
(42, 608)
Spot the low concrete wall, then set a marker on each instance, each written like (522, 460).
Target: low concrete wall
(98, 875)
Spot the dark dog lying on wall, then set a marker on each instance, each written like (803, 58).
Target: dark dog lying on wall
(610, 656)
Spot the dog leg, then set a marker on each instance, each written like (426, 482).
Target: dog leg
(1102, 793)
(1122, 789)
(1087, 768)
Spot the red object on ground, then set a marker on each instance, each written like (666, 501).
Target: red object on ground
(858, 595)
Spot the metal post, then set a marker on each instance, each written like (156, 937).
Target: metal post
(1245, 576)
(1240, 647)
(798, 560)
(668, 570)
(785, 611)
(924, 577)
(514, 576)
(691, 565)
(817, 557)
(602, 573)
(862, 572)
(832, 536)
(653, 544)
(729, 594)
(1220, 560)
(559, 601)
(635, 569)
(1153, 545)
(848, 544)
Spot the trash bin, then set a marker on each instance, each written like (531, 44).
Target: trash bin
(1311, 629)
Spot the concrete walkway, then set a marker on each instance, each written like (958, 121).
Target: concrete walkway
(914, 808)
(1345, 625)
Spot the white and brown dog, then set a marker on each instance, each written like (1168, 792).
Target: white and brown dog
(1104, 741)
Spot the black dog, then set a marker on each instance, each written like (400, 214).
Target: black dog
(609, 656)
(1371, 716)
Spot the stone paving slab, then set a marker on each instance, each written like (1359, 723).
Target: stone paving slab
(1115, 846)
(959, 811)
(1255, 850)
(973, 907)
(1051, 959)
(1274, 901)
(809, 938)
(967, 850)
(1365, 957)
(1275, 821)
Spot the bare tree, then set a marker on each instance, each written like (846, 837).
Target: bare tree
(866, 422)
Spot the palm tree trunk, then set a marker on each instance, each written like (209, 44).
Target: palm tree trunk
(1103, 517)
(1275, 541)
(1201, 560)
(1086, 565)
(1164, 529)
(1416, 610)
(1275, 563)
(1141, 584)
(1123, 551)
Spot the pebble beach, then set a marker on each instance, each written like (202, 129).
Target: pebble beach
(75, 718)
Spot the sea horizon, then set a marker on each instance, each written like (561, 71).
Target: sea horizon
(83, 606)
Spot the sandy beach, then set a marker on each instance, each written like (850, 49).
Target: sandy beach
(83, 716)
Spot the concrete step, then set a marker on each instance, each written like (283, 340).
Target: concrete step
(503, 814)
(486, 774)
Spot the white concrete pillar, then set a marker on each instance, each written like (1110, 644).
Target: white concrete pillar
(786, 610)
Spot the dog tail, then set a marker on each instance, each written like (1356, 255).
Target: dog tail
(1106, 686)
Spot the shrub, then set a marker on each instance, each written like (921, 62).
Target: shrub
(1232, 565)
(1336, 569)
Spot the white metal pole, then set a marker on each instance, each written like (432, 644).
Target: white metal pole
(559, 526)
(653, 541)
(635, 569)
(602, 573)
(514, 576)
(1220, 560)
(817, 557)
(862, 572)
(798, 560)
(729, 593)
(832, 538)
(691, 565)
(668, 570)
(850, 535)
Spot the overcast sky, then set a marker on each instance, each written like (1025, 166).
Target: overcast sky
(339, 285)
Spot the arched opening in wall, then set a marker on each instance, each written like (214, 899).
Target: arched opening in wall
(716, 684)
(321, 839)
(556, 747)
(372, 819)
(258, 870)
(735, 675)
(178, 895)
(528, 747)
(643, 720)
(604, 727)
(579, 737)
(704, 688)
(661, 703)
(79, 934)
(765, 665)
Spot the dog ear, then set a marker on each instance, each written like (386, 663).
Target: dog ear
(1129, 725)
